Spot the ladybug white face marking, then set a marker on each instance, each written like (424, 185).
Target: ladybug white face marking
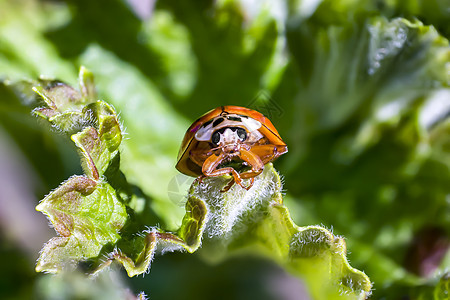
(228, 135)
(206, 131)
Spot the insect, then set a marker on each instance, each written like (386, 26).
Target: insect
(229, 140)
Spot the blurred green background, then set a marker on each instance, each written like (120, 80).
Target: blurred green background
(360, 96)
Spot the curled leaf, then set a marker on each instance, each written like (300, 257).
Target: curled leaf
(257, 222)
(86, 211)
(87, 215)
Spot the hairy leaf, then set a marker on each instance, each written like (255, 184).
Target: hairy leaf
(86, 211)
(256, 221)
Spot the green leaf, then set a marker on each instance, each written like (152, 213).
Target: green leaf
(99, 146)
(361, 126)
(365, 156)
(86, 211)
(87, 215)
(256, 222)
(437, 290)
(223, 42)
(86, 82)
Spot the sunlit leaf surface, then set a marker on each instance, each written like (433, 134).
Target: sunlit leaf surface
(359, 90)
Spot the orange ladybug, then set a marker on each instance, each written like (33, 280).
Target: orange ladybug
(229, 140)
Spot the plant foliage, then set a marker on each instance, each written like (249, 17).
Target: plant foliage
(359, 90)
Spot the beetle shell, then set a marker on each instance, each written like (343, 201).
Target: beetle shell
(259, 130)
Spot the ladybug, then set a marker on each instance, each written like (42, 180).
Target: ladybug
(229, 140)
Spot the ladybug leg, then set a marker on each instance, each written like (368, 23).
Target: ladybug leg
(200, 178)
(267, 153)
(210, 165)
(255, 162)
(198, 156)
(228, 186)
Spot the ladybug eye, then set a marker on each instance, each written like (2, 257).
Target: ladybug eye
(215, 138)
(242, 134)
